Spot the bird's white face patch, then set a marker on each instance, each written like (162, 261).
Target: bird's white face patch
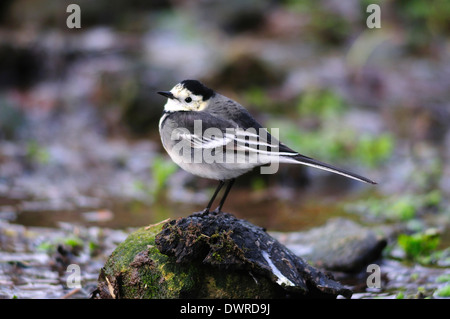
(184, 100)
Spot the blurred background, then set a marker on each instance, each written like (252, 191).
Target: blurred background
(79, 112)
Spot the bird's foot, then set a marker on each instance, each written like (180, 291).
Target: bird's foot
(206, 212)
(202, 212)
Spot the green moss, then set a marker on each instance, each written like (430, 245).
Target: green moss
(46, 246)
(162, 169)
(335, 143)
(403, 209)
(400, 295)
(237, 284)
(320, 103)
(217, 257)
(144, 271)
(420, 244)
(136, 269)
(372, 150)
(443, 278)
(37, 153)
(424, 21)
(444, 291)
(73, 242)
(396, 207)
(125, 252)
(433, 198)
(324, 25)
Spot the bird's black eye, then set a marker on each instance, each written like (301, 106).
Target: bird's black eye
(188, 100)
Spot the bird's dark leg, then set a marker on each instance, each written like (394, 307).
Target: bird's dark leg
(219, 187)
(222, 201)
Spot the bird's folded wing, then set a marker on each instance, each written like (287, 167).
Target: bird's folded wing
(203, 130)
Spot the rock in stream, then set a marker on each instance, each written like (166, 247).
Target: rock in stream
(339, 245)
(210, 255)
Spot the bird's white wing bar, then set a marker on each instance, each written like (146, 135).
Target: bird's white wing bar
(250, 136)
(257, 142)
(204, 142)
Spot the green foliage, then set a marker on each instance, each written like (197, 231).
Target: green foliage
(323, 24)
(400, 295)
(45, 247)
(162, 169)
(371, 150)
(429, 174)
(37, 153)
(443, 278)
(420, 244)
(372, 206)
(303, 141)
(414, 276)
(321, 103)
(256, 96)
(424, 21)
(432, 198)
(403, 209)
(397, 207)
(436, 258)
(93, 247)
(73, 242)
(337, 144)
(444, 291)
(433, 15)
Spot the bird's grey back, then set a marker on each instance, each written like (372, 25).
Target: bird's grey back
(225, 107)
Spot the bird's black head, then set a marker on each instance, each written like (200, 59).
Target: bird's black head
(198, 88)
(188, 95)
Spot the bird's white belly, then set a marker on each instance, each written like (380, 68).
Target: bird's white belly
(217, 171)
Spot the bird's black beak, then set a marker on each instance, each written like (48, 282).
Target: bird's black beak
(167, 94)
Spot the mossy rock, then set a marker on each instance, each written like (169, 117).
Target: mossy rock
(136, 269)
(209, 256)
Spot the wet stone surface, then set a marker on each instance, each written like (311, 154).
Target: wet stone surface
(219, 256)
(339, 245)
(223, 240)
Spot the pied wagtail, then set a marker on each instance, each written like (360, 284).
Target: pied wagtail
(192, 110)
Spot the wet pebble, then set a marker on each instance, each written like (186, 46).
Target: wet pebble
(34, 260)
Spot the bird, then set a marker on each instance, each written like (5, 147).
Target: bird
(212, 136)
